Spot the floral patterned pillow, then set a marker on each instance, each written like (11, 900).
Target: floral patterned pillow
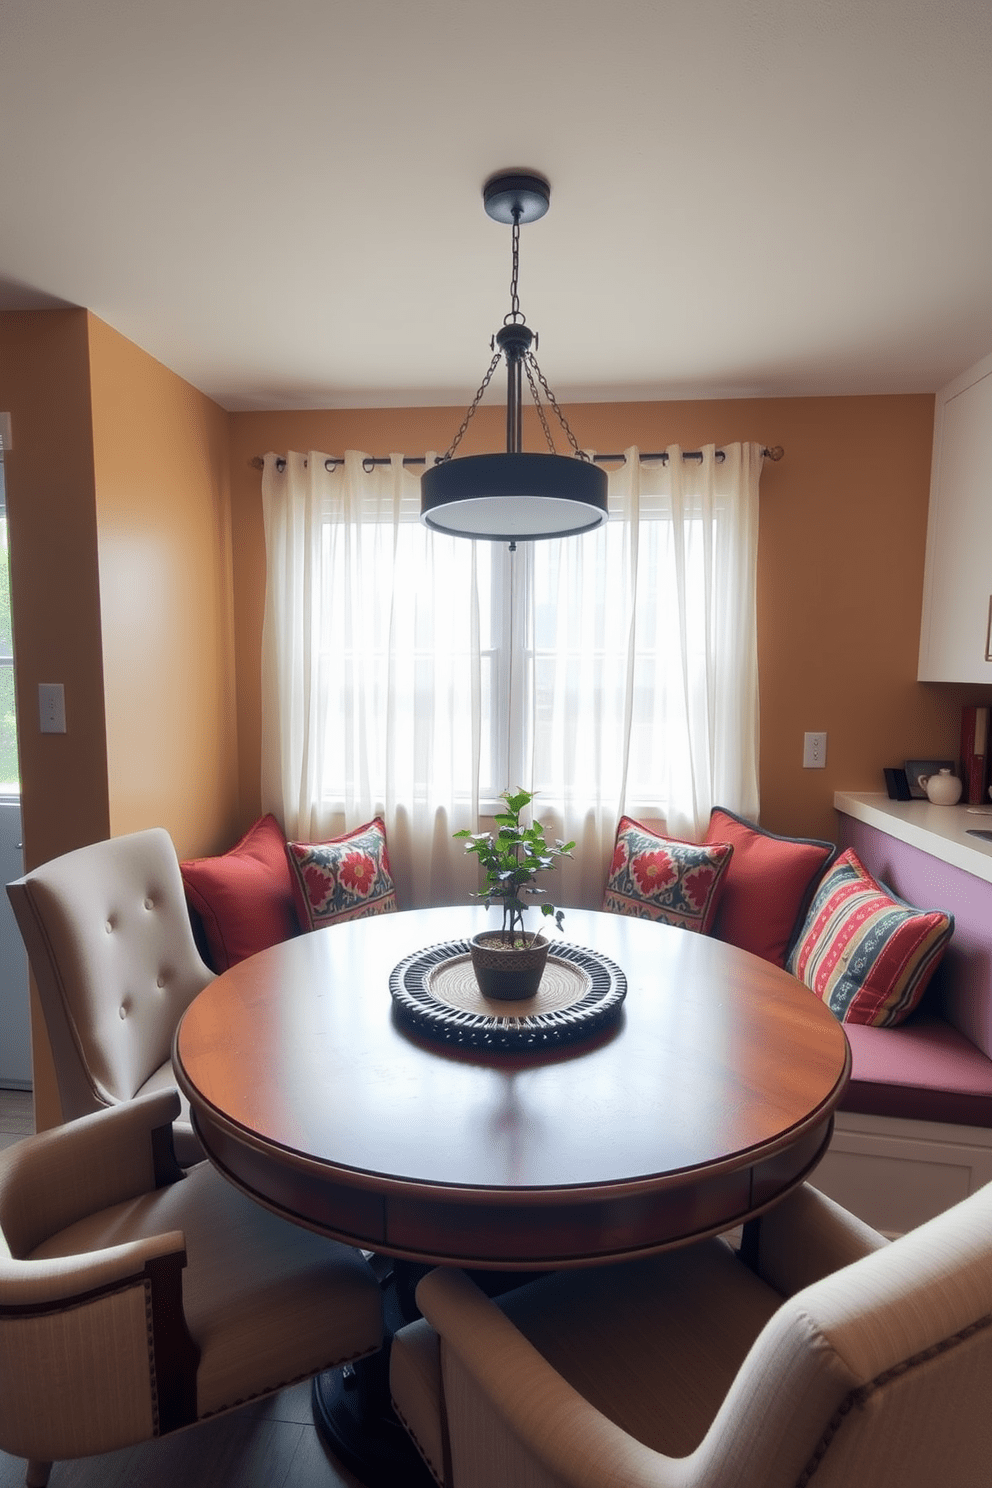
(657, 878)
(346, 878)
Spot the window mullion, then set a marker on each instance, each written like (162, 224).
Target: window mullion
(519, 663)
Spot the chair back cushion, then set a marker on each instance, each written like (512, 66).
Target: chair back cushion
(109, 941)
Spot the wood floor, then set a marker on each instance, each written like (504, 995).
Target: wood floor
(268, 1445)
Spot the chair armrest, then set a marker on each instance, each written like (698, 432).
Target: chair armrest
(58, 1317)
(807, 1237)
(29, 1286)
(511, 1417)
(49, 1181)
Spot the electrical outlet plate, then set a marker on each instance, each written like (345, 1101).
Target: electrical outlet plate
(814, 751)
(51, 707)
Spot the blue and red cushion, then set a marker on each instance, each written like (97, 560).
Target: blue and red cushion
(345, 878)
(659, 878)
(865, 953)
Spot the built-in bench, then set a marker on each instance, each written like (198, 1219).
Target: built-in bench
(914, 1133)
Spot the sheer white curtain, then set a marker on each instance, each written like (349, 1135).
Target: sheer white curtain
(417, 676)
(644, 657)
(370, 668)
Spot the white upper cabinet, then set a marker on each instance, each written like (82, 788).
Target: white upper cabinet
(956, 632)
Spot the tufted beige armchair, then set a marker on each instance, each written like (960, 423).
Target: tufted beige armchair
(136, 1299)
(108, 937)
(839, 1361)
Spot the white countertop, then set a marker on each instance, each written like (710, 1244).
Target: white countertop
(941, 831)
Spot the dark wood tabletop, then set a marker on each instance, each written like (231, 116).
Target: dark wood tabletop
(711, 1096)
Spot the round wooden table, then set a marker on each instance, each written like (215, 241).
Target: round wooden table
(710, 1097)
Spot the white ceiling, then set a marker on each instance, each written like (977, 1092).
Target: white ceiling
(280, 199)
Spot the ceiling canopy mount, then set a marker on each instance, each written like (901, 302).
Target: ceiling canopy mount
(516, 196)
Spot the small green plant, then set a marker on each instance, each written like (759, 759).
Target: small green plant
(511, 859)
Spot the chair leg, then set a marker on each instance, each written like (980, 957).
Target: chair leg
(37, 1474)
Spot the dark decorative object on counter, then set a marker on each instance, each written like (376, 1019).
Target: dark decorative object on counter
(897, 785)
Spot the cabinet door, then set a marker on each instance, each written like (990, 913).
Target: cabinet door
(955, 638)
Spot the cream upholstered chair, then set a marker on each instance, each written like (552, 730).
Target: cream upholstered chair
(108, 937)
(136, 1299)
(842, 1361)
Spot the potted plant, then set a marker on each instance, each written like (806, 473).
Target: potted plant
(509, 963)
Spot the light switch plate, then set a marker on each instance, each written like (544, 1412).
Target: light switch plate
(814, 751)
(51, 707)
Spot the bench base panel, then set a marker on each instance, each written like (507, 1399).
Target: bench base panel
(896, 1173)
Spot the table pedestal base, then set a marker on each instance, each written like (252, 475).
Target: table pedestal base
(352, 1410)
(357, 1424)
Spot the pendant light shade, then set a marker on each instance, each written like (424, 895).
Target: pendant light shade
(515, 496)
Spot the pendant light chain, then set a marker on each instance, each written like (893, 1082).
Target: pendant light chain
(512, 317)
(471, 411)
(529, 365)
(532, 362)
(515, 316)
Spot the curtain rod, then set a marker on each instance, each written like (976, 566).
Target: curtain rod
(257, 462)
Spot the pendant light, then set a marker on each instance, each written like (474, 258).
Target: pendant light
(516, 496)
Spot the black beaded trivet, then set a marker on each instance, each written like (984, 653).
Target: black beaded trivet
(434, 990)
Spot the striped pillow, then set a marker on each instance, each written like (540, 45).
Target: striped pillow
(865, 954)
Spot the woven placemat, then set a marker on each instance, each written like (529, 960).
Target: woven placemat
(453, 982)
(435, 991)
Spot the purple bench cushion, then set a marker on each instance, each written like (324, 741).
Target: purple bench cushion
(924, 1070)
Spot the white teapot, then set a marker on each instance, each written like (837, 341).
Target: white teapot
(943, 789)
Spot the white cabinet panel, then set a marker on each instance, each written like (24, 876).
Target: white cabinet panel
(957, 590)
(895, 1174)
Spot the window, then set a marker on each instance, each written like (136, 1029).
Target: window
(418, 675)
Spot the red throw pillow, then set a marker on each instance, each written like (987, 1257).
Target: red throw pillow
(346, 878)
(658, 878)
(245, 897)
(768, 885)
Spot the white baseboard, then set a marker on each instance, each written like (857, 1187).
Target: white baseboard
(895, 1174)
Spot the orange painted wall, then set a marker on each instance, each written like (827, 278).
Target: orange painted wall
(163, 524)
(55, 596)
(55, 601)
(840, 576)
(121, 586)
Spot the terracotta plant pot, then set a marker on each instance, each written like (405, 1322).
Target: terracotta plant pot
(508, 973)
